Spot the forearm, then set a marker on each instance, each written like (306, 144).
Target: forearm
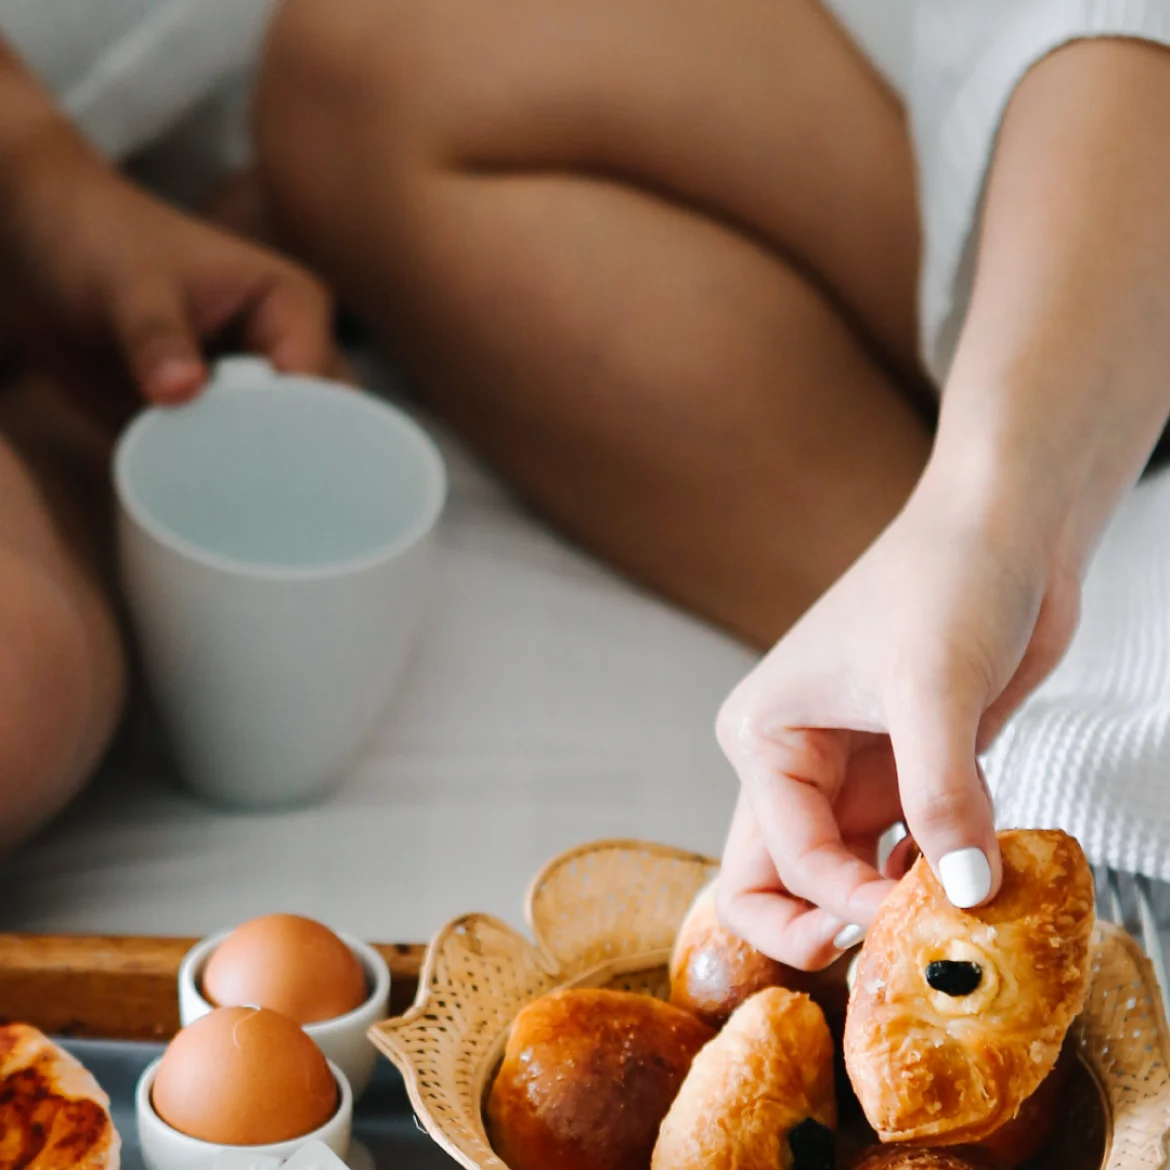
(1061, 382)
(28, 114)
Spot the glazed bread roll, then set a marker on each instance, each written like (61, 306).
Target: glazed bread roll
(587, 1078)
(712, 971)
(759, 1096)
(957, 1016)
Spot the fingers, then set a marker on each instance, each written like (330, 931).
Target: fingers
(791, 778)
(754, 905)
(158, 342)
(948, 810)
(292, 325)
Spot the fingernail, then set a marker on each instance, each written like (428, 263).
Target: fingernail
(176, 378)
(966, 877)
(848, 936)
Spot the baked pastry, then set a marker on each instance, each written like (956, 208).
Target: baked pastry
(957, 1016)
(52, 1112)
(759, 1096)
(713, 971)
(916, 1158)
(587, 1078)
(1022, 1138)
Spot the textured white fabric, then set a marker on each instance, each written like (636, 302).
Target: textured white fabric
(130, 70)
(1090, 751)
(956, 64)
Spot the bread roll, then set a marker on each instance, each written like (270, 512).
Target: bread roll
(759, 1096)
(712, 971)
(587, 1078)
(957, 1016)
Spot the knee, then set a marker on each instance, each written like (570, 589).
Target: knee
(330, 72)
(58, 699)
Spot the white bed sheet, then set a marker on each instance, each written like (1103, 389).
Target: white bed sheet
(549, 703)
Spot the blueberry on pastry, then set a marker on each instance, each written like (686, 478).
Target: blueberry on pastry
(587, 1078)
(957, 1016)
(759, 1096)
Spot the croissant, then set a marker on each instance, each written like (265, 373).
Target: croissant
(759, 1096)
(957, 1016)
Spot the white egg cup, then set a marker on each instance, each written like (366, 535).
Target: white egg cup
(165, 1148)
(343, 1039)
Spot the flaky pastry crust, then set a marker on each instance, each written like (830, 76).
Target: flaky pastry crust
(53, 1114)
(768, 1071)
(936, 1067)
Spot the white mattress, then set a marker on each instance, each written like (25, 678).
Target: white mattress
(549, 703)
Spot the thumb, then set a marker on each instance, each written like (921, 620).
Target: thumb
(933, 726)
(158, 342)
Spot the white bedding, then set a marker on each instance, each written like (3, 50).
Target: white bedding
(549, 703)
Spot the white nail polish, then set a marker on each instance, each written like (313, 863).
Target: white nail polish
(848, 936)
(966, 877)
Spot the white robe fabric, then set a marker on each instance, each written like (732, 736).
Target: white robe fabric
(130, 71)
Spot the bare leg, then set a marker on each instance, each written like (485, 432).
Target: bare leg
(653, 258)
(62, 673)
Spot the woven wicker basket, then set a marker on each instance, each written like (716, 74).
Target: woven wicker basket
(606, 915)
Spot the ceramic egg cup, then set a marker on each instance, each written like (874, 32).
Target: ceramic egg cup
(165, 1148)
(343, 1039)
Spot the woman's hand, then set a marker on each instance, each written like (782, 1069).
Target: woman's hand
(871, 711)
(118, 287)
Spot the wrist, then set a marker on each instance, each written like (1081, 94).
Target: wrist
(1043, 460)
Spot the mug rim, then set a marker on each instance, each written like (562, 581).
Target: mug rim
(435, 472)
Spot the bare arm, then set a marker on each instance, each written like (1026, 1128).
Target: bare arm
(1061, 383)
(874, 707)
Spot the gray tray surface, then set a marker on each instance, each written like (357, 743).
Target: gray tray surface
(384, 1122)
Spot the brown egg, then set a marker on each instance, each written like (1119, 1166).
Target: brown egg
(290, 964)
(244, 1077)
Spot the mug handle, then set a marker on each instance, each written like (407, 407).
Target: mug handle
(243, 370)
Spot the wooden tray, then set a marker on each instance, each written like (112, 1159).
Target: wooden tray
(125, 988)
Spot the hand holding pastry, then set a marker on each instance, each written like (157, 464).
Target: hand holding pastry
(872, 710)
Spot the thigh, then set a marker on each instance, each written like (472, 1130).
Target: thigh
(759, 113)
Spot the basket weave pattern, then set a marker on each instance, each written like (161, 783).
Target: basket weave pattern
(606, 915)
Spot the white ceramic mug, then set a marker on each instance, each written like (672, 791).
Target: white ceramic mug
(275, 546)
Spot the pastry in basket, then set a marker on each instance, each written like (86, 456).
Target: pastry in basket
(957, 1016)
(713, 971)
(917, 1158)
(1022, 1138)
(759, 1096)
(52, 1112)
(587, 1078)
